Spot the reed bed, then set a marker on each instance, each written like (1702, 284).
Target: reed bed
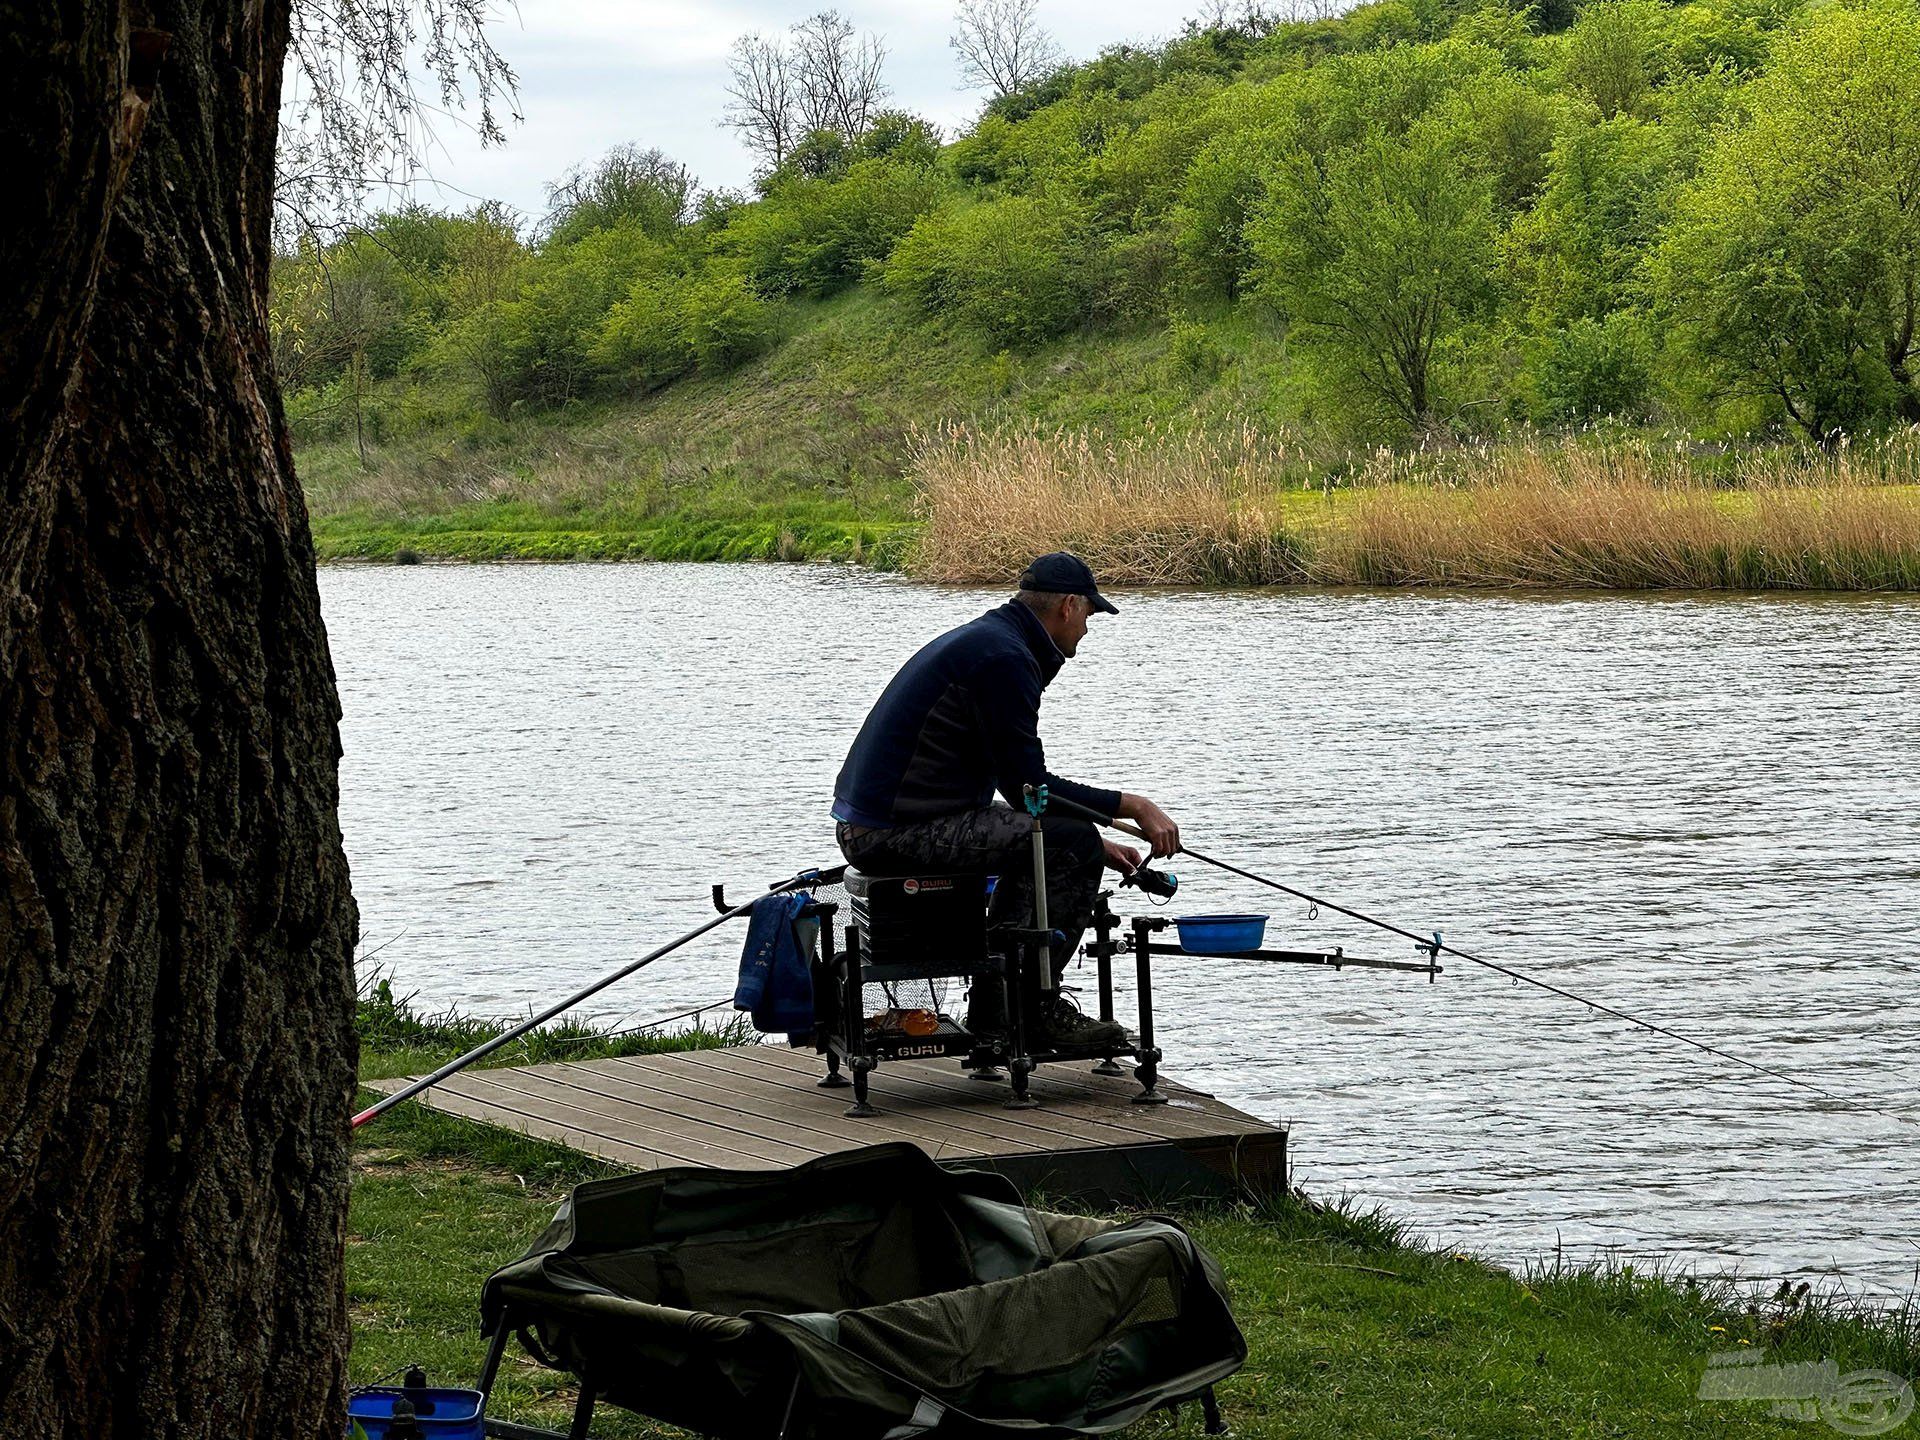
(1597, 511)
(1156, 509)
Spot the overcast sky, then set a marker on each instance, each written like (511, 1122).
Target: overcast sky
(596, 73)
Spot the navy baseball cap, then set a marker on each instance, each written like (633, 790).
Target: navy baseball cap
(1063, 574)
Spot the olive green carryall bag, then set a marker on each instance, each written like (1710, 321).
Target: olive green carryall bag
(866, 1294)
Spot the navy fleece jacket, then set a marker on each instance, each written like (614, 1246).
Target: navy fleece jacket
(960, 721)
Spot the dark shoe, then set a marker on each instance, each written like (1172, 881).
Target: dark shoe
(1067, 1029)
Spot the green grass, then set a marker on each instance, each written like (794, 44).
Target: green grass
(504, 533)
(1355, 1329)
(801, 453)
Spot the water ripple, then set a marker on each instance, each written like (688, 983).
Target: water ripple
(1706, 809)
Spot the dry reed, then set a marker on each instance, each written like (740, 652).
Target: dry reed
(1597, 511)
(1155, 509)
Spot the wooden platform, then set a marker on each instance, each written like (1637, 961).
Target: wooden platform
(757, 1107)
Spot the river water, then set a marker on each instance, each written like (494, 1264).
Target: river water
(1705, 810)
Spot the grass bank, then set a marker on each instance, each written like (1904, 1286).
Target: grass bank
(1355, 1330)
(510, 531)
(871, 437)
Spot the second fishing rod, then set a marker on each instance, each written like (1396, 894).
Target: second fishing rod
(1435, 946)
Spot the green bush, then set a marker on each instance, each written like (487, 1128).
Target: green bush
(1012, 268)
(1192, 352)
(812, 237)
(644, 340)
(550, 334)
(1592, 369)
(726, 322)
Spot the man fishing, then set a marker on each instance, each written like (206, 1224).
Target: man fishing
(961, 721)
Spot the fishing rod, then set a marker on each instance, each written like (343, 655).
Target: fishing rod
(1434, 945)
(805, 880)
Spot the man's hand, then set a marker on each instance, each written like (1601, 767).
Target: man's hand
(1155, 824)
(1120, 857)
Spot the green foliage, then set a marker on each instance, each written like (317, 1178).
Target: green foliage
(1614, 55)
(629, 186)
(1218, 196)
(1192, 352)
(902, 138)
(550, 330)
(644, 338)
(1433, 213)
(813, 236)
(1380, 251)
(1793, 261)
(725, 321)
(1591, 369)
(1578, 252)
(1013, 268)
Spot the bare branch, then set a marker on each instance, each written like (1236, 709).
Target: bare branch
(1001, 45)
(837, 81)
(352, 119)
(762, 89)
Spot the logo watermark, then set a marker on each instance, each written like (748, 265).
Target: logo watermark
(1859, 1402)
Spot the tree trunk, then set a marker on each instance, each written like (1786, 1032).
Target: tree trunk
(176, 928)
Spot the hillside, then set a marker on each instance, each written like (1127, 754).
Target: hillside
(1418, 244)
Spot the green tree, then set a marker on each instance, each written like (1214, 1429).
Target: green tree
(1792, 264)
(629, 185)
(549, 332)
(487, 264)
(1613, 54)
(812, 237)
(1579, 252)
(1380, 252)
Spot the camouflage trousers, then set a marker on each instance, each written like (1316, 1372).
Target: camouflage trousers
(995, 838)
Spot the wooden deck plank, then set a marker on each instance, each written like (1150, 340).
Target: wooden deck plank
(755, 1107)
(596, 1095)
(756, 1085)
(764, 1107)
(1064, 1121)
(648, 1128)
(975, 1111)
(541, 1127)
(1063, 1081)
(1062, 1108)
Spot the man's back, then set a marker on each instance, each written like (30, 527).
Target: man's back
(960, 720)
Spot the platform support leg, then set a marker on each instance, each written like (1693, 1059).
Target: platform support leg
(1148, 1072)
(1021, 1068)
(833, 1079)
(1019, 1059)
(1103, 922)
(860, 1109)
(582, 1412)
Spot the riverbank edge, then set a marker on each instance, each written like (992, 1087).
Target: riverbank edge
(1329, 549)
(878, 545)
(1354, 1326)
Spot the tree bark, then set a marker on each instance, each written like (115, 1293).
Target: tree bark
(176, 927)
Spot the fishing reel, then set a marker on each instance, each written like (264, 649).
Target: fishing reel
(1152, 882)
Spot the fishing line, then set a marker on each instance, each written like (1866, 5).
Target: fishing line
(1434, 942)
(1434, 945)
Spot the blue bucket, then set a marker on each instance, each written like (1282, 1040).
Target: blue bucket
(441, 1414)
(1220, 934)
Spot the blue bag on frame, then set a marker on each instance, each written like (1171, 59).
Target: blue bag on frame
(776, 981)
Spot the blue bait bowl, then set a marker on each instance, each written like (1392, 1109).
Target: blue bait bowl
(1220, 934)
(442, 1414)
